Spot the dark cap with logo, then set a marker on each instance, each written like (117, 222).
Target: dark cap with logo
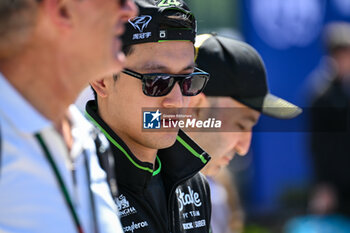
(160, 20)
(237, 70)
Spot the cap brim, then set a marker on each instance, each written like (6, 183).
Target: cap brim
(279, 108)
(272, 106)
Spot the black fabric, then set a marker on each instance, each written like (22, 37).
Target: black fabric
(148, 25)
(156, 195)
(186, 202)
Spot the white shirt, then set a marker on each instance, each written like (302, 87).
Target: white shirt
(30, 197)
(86, 95)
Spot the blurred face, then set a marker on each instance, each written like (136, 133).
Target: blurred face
(342, 58)
(222, 146)
(121, 107)
(93, 45)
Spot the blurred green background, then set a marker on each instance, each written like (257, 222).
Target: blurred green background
(215, 14)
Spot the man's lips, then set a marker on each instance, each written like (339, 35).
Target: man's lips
(227, 159)
(119, 29)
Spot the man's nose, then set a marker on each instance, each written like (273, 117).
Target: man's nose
(174, 99)
(243, 144)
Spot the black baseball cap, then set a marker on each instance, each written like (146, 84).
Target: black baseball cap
(237, 70)
(153, 23)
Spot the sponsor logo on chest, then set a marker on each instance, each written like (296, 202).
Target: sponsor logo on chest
(124, 206)
(135, 226)
(187, 198)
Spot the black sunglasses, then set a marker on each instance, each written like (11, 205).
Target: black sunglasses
(159, 84)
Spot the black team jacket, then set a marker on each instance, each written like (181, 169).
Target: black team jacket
(174, 197)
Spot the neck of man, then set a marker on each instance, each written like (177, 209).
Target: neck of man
(141, 152)
(40, 78)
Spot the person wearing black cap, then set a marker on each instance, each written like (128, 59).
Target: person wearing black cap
(160, 187)
(238, 80)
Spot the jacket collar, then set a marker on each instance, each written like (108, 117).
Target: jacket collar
(180, 161)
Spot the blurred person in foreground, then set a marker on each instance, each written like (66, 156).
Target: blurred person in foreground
(238, 81)
(50, 180)
(160, 187)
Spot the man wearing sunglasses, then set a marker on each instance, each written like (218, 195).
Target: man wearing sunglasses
(160, 189)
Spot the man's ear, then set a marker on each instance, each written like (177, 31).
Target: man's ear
(59, 12)
(100, 87)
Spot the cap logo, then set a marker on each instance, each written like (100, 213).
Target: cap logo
(162, 34)
(167, 3)
(140, 22)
